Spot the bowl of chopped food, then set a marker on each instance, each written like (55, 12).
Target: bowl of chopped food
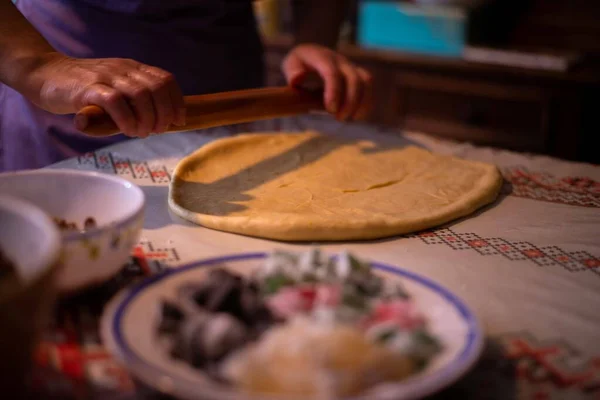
(29, 261)
(292, 325)
(100, 217)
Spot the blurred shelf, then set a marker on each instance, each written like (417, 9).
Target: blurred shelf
(520, 109)
(587, 72)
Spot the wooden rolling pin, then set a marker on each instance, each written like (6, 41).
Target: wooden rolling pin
(227, 108)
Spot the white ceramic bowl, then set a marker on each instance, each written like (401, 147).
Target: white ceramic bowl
(31, 242)
(116, 204)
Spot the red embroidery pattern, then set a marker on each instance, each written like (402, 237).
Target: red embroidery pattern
(71, 359)
(551, 362)
(76, 364)
(152, 260)
(573, 261)
(576, 191)
(125, 167)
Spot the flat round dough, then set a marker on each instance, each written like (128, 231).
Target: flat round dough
(313, 187)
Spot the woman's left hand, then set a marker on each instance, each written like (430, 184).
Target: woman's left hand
(348, 87)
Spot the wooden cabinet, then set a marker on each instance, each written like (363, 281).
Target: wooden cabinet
(523, 110)
(480, 111)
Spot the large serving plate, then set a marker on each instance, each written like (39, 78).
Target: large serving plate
(129, 331)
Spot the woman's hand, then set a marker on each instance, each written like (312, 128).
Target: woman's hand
(348, 87)
(140, 99)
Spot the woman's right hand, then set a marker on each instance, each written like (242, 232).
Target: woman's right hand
(140, 99)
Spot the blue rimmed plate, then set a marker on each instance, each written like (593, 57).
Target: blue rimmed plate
(129, 325)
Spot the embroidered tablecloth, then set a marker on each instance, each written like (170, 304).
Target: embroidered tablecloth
(529, 265)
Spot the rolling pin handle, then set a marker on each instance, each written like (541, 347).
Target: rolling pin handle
(94, 121)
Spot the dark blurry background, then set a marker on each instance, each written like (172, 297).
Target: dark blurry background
(518, 74)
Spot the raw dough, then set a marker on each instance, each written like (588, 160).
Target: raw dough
(312, 187)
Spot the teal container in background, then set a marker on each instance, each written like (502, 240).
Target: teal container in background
(434, 30)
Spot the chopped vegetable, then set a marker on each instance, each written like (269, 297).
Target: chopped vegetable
(222, 318)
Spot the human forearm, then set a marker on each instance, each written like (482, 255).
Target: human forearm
(141, 99)
(319, 21)
(22, 47)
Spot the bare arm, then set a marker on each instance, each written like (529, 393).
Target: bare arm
(22, 48)
(140, 98)
(319, 21)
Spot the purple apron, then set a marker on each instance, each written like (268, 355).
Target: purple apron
(209, 45)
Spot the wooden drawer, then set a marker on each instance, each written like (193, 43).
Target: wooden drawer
(481, 112)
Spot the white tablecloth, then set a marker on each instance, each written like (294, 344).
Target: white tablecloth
(529, 264)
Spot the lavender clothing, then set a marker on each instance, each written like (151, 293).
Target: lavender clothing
(209, 45)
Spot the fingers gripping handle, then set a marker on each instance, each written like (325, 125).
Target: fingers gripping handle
(211, 110)
(95, 122)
